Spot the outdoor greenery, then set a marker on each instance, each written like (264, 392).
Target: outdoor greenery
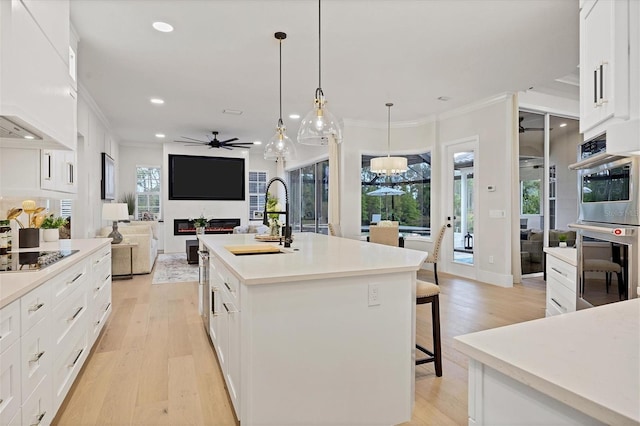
(530, 197)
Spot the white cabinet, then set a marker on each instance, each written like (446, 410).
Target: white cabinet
(561, 286)
(99, 292)
(605, 66)
(10, 389)
(58, 170)
(225, 326)
(38, 97)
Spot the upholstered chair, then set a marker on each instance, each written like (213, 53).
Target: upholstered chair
(434, 256)
(334, 230)
(388, 235)
(427, 292)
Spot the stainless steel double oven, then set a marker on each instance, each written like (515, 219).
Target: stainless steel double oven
(609, 226)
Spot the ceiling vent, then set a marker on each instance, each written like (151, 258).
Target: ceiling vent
(11, 130)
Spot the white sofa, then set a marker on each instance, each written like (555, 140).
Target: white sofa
(144, 254)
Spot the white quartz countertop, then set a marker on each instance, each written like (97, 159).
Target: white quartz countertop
(14, 285)
(312, 256)
(589, 359)
(566, 254)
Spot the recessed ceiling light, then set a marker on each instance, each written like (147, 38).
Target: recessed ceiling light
(444, 98)
(563, 124)
(257, 142)
(157, 101)
(232, 111)
(294, 116)
(160, 135)
(29, 137)
(163, 27)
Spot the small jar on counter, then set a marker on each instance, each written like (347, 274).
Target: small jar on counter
(5, 236)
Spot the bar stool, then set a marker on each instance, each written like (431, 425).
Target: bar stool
(428, 293)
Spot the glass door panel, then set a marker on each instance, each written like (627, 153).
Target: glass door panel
(308, 208)
(463, 207)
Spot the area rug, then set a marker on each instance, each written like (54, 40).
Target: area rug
(173, 268)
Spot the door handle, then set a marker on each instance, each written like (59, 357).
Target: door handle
(602, 99)
(595, 88)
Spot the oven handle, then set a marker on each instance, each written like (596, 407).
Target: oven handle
(618, 231)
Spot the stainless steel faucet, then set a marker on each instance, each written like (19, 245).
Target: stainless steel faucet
(265, 220)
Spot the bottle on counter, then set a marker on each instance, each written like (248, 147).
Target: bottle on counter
(5, 236)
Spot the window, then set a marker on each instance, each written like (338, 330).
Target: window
(530, 196)
(148, 193)
(257, 188)
(411, 204)
(309, 198)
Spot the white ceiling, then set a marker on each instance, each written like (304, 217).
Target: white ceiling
(223, 55)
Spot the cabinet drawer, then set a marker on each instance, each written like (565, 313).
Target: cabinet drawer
(102, 257)
(38, 408)
(67, 364)
(37, 353)
(9, 325)
(35, 306)
(65, 283)
(562, 272)
(68, 315)
(10, 394)
(229, 282)
(100, 279)
(559, 298)
(100, 313)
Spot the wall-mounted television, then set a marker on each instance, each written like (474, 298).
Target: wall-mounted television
(193, 177)
(108, 181)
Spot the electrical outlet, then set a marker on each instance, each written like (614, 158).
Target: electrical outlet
(490, 259)
(374, 295)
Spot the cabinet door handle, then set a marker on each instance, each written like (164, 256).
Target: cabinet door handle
(36, 357)
(39, 418)
(37, 306)
(602, 99)
(559, 271)
(595, 88)
(48, 160)
(76, 359)
(213, 302)
(76, 313)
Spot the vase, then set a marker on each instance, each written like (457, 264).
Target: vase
(274, 230)
(200, 230)
(28, 237)
(562, 244)
(51, 235)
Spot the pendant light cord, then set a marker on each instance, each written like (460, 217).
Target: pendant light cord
(319, 47)
(280, 122)
(389, 105)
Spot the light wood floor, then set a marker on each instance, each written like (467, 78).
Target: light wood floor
(153, 364)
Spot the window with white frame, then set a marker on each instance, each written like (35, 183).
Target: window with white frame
(257, 188)
(148, 193)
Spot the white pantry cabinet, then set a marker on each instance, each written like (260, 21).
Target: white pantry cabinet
(38, 96)
(607, 69)
(38, 173)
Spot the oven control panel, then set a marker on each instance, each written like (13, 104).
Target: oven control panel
(593, 147)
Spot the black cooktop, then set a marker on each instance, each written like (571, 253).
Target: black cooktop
(29, 261)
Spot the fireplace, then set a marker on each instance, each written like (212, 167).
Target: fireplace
(214, 226)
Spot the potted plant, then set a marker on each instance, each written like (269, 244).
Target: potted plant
(562, 240)
(200, 224)
(274, 222)
(130, 199)
(51, 226)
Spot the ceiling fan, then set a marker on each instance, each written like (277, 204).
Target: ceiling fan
(522, 129)
(215, 143)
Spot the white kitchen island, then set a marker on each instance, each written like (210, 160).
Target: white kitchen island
(322, 334)
(574, 369)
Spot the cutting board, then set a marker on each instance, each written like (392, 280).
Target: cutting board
(253, 249)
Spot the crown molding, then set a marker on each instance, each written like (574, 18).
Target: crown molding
(86, 96)
(481, 104)
(394, 124)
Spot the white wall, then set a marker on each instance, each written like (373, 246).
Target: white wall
(131, 157)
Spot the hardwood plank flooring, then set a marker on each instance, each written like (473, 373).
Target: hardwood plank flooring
(153, 363)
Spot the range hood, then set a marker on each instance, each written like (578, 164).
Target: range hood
(12, 130)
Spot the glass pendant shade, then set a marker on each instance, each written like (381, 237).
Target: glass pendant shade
(318, 125)
(280, 146)
(389, 165)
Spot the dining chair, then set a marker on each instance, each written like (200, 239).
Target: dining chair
(434, 256)
(388, 235)
(334, 230)
(427, 292)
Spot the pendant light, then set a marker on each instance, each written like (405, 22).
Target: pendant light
(280, 146)
(388, 165)
(319, 124)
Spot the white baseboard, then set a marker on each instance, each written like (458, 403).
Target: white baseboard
(501, 280)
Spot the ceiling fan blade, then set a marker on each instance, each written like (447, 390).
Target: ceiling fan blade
(229, 140)
(195, 143)
(226, 147)
(237, 143)
(196, 140)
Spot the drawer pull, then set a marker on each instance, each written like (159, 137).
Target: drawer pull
(98, 322)
(102, 258)
(108, 306)
(1, 401)
(231, 311)
(76, 358)
(34, 308)
(36, 357)
(75, 279)
(39, 418)
(75, 314)
(227, 286)
(559, 271)
(559, 305)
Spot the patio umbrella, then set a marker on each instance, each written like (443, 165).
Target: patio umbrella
(383, 192)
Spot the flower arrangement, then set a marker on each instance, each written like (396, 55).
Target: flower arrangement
(52, 222)
(200, 222)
